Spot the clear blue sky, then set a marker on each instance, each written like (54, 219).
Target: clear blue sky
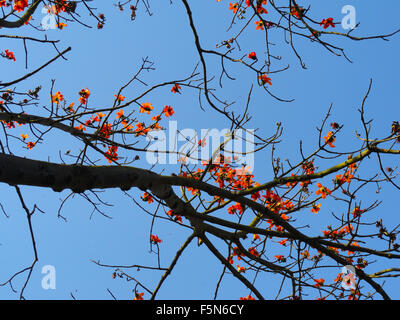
(104, 60)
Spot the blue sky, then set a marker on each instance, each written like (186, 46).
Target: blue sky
(104, 60)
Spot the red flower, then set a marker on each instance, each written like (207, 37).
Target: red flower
(80, 128)
(176, 217)
(168, 111)
(261, 9)
(236, 252)
(254, 252)
(9, 124)
(20, 5)
(9, 55)
(176, 88)
(105, 130)
(249, 297)
(357, 212)
(111, 154)
(147, 197)
(30, 145)
(138, 296)
(249, 2)
(280, 258)
(264, 79)
(241, 269)
(297, 12)
(237, 208)
(252, 55)
(318, 283)
(327, 22)
(155, 239)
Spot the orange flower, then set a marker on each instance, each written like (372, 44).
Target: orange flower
(30, 145)
(316, 208)
(176, 217)
(156, 126)
(84, 95)
(111, 154)
(24, 136)
(70, 108)
(146, 108)
(80, 128)
(61, 25)
(319, 283)
(297, 12)
(305, 254)
(283, 242)
(127, 127)
(249, 297)
(234, 7)
(168, 111)
(322, 191)
(241, 269)
(27, 21)
(254, 252)
(105, 130)
(57, 97)
(236, 252)
(259, 2)
(330, 139)
(357, 212)
(119, 98)
(138, 296)
(280, 258)
(339, 180)
(355, 244)
(237, 208)
(259, 25)
(339, 278)
(147, 197)
(120, 114)
(176, 88)
(264, 79)
(141, 130)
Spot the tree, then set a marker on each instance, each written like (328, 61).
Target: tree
(258, 225)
